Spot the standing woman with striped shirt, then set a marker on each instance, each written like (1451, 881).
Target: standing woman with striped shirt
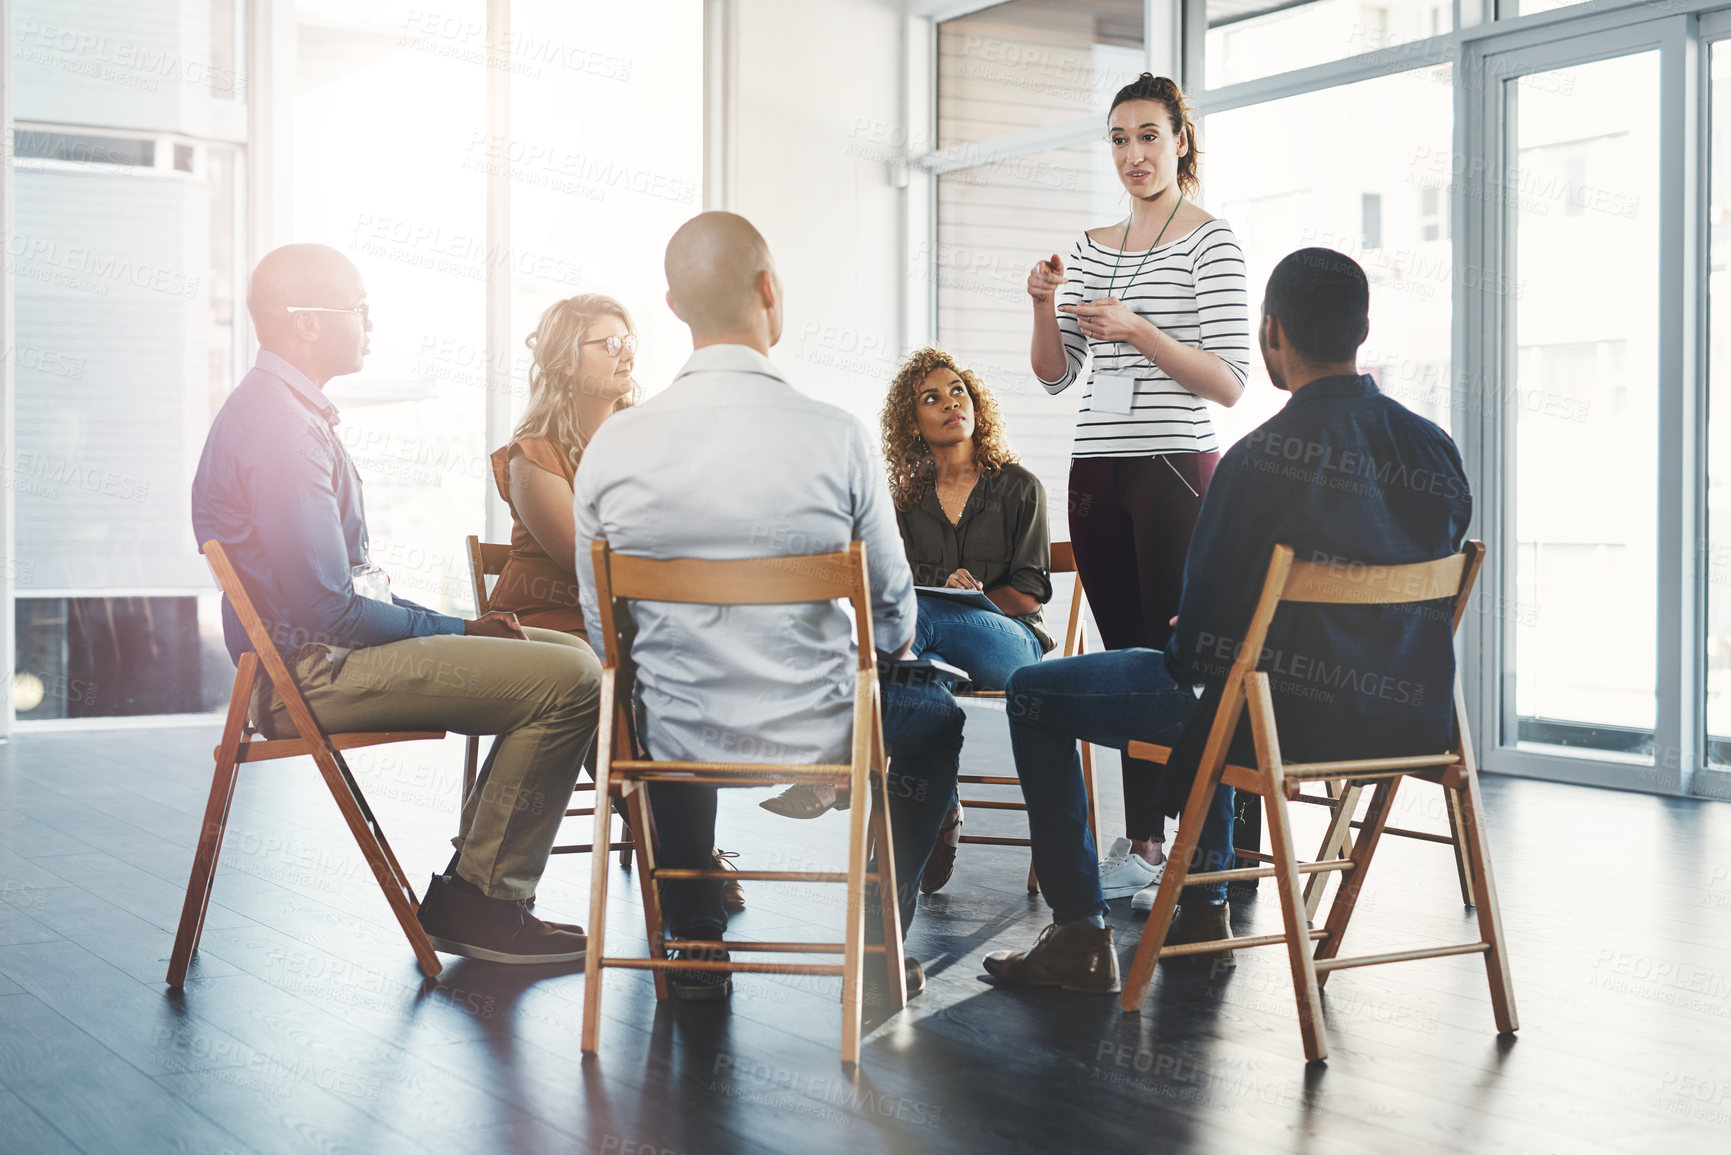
(1159, 301)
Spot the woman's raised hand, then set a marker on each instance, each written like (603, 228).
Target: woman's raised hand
(1045, 279)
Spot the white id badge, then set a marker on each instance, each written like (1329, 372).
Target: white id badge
(1113, 392)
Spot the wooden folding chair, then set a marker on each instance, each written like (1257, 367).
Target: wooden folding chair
(239, 745)
(1455, 770)
(1075, 642)
(620, 578)
(488, 560)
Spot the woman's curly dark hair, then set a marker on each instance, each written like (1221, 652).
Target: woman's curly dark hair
(907, 458)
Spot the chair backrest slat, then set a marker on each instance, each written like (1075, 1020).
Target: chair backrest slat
(234, 588)
(1341, 583)
(486, 560)
(1349, 583)
(839, 576)
(1063, 557)
(752, 581)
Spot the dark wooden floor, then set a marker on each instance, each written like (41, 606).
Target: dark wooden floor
(305, 1027)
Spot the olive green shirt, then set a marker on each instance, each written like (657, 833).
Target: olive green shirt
(1001, 539)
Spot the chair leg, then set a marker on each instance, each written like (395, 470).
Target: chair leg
(198, 887)
(1463, 871)
(1088, 786)
(471, 760)
(1171, 885)
(1336, 840)
(598, 873)
(1295, 917)
(654, 922)
(853, 941)
(1490, 917)
(210, 836)
(377, 851)
(1352, 886)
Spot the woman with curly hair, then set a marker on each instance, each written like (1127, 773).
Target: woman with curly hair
(971, 518)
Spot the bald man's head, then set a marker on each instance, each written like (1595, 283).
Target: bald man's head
(715, 276)
(325, 339)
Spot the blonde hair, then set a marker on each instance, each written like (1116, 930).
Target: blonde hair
(552, 382)
(907, 458)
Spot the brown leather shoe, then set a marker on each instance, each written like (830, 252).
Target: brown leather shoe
(493, 929)
(1202, 922)
(1074, 958)
(732, 891)
(804, 800)
(942, 863)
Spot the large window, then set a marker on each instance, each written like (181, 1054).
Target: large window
(1515, 190)
(1717, 556)
(388, 113)
(1583, 209)
(132, 245)
(124, 261)
(1382, 202)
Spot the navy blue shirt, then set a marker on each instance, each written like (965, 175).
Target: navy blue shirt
(1342, 473)
(277, 488)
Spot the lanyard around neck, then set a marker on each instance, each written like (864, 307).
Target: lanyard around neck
(1113, 283)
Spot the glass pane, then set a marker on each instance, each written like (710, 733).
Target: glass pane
(1582, 202)
(390, 159)
(1383, 202)
(994, 222)
(1718, 559)
(594, 213)
(166, 65)
(1508, 9)
(1250, 39)
(1033, 62)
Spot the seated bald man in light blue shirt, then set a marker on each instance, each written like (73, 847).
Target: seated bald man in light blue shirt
(731, 461)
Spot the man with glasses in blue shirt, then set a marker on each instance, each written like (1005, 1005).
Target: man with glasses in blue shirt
(277, 488)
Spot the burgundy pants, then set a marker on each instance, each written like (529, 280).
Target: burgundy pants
(1130, 523)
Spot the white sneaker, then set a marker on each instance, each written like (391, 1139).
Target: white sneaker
(1124, 872)
(1144, 900)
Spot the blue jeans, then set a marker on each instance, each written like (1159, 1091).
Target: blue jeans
(1109, 699)
(923, 736)
(989, 646)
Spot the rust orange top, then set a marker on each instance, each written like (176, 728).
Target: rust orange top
(540, 590)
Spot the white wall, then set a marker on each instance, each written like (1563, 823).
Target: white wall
(813, 96)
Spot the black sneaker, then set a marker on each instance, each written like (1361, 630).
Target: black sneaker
(701, 986)
(493, 929)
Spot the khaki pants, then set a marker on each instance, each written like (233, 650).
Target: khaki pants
(542, 696)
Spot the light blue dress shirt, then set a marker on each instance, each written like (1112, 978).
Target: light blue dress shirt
(730, 461)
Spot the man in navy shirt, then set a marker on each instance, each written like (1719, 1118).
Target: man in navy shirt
(1342, 473)
(277, 488)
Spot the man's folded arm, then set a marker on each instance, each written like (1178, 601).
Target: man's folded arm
(300, 527)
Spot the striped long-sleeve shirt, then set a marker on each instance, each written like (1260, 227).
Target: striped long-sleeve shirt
(1193, 288)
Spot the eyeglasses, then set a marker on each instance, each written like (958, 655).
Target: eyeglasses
(358, 310)
(614, 344)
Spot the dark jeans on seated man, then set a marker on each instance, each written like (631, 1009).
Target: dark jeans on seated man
(923, 734)
(1109, 699)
